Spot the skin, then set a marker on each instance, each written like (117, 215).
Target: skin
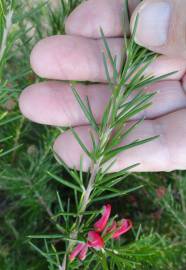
(77, 56)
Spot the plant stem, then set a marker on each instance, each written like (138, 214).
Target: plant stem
(90, 187)
(105, 136)
(17, 137)
(6, 31)
(85, 202)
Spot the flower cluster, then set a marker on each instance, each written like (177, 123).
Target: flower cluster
(95, 238)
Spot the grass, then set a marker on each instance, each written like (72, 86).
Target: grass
(28, 194)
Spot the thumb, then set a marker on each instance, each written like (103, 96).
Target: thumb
(162, 26)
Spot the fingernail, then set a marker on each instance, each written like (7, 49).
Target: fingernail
(153, 24)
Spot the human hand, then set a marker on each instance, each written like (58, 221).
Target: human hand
(77, 56)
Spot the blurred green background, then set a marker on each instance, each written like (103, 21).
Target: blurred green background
(27, 192)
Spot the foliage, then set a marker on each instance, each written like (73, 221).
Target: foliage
(29, 176)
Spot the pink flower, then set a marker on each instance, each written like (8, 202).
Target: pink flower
(95, 240)
(83, 253)
(122, 227)
(102, 222)
(81, 250)
(76, 251)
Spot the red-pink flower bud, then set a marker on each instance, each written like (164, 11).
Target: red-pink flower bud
(83, 253)
(95, 240)
(102, 222)
(124, 226)
(76, 251)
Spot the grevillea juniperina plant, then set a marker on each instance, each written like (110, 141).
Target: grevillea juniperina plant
(100, 184)
(74, 228)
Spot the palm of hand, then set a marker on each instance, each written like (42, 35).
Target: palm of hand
(78, 56)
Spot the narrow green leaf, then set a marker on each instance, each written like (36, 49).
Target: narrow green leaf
(4, 153)
(116, 195)
(42, 253)
(107, 71)
(6, 139)
(54, 236)
(86, 109)
(86, 213)
(112, 176)
(111, 59)
(72, 173)
(118, 150)
(8, 121)
(64, 182)
(81, 143)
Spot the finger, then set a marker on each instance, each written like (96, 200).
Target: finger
(184, 83)
(88, 17)
(162, 26)
(53, 103)
(164, 65)
(163, 154)
(75, 58)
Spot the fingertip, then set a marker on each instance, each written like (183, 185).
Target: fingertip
(51, 57)
(89, 16)
(65, 57)
(29, 105)
(164, 65)
(42, 57)
(56, 57)
(153, 23)
(78, 22)
(35, 56)
(87, 19)
(24, 105)
(42, 103)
